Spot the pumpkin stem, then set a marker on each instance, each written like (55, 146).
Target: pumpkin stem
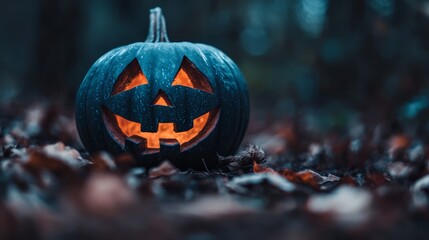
(157, 28)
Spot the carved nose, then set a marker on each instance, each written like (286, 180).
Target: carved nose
(161, 99)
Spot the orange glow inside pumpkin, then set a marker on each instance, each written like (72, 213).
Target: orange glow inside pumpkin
(189, 76)
(130, 78)
(165, 131)
(182, 79)
(138, 80)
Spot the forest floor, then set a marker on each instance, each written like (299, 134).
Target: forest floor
(296, 181)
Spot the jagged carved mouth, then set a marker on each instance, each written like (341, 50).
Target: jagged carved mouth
(122, 129)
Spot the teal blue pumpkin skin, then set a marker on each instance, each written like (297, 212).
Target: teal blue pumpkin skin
(159, 61)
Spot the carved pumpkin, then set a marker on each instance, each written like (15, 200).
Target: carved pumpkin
(159, 100)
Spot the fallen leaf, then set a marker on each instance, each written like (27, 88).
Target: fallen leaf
(246, 157)
(163, 170)
(239, 184)
(308, 177)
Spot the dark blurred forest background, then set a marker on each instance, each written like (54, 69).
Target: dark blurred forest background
(333, 58)
(339, 123)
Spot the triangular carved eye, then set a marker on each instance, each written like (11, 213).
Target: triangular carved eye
(189, 76)
(131, 77)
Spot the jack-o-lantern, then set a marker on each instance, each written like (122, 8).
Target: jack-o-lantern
(160, 100)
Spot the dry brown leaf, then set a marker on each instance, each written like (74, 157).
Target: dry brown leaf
(307, 177)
